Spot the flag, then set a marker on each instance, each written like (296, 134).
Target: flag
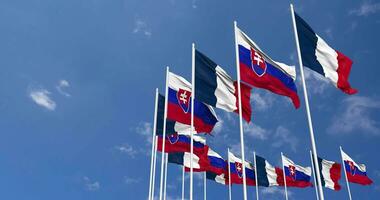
(217, 178)
(259, 70)
(184, 159)
(215, 163)
(356, 173)
(171, 126)
(330, 172)
(179, 106)
(236, 171)
(296, 175)
(321, 58)
(266, 174)
(216, 88)
(178, 142)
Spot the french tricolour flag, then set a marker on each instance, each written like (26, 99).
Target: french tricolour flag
(321, 58)
(356, 173)
(267, 175)
(184, 159)
(179, 106)
(221, 178)
(259, 70)
(331, 173)
(216, 88)
(236, 170)
(296, 175)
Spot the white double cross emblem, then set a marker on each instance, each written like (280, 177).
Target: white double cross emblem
(183, 97)
(258, 59)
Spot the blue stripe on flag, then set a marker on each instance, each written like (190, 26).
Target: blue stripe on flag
(205, 79)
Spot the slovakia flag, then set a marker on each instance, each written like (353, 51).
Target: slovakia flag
(259, 70)
(179, 106)
(356, 173)
(236, 170)
(296, 175)
(181, 143)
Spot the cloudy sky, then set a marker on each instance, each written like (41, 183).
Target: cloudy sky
(78, 78)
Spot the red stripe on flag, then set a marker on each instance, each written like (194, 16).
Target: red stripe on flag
(344, 68)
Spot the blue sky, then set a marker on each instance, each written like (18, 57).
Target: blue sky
(77, 88)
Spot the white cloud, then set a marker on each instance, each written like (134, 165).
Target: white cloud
(194, 4)
(145, 129)
(283, 137)
(218, 126)
(316, 83)
(129, 180)
(142, 27)
(329, 33)
(262, 100)
(62, 84)
(356, 115)
(256, 131)
(91, 185)
(127, 149)
(274, 190)
(41, 97)
(366, 8)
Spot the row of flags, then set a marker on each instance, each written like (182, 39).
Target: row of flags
(214, 88)
(229, 171)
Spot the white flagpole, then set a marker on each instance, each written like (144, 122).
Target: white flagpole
(315, 180)
(183, 182)
(256, 178)
(229, 175)
(192, 118)
(166, 174)
(164, 134)
(154, 166)
(283, 169)
(240, 114)
(345, 174)
(153, 144)
(204, 186)
(313, 145)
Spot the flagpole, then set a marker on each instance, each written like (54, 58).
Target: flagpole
(154, 166)
(153, 144)
(313, 145)
(240, 114)
(192, 117)
(164, 133)
(183, 182)
(284, 175)
(345, 173)
(229, 175)
(166, 174)
(204, 186)
(315, 181)
(256, 178)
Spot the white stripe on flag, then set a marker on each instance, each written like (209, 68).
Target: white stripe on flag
(225, 98)
(305, 170)
(326, 167)
(186, 160)
(271, 174)
(328, 58)
(361, 167)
